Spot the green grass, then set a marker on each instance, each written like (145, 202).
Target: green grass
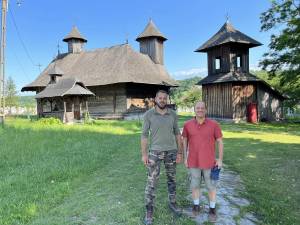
(93, 174)
(267, 157)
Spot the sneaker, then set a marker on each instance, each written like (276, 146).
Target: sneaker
(212, 215)
(196, 210)
(148, 218)
(175, 209)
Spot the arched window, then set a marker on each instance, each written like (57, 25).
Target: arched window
(46, 105)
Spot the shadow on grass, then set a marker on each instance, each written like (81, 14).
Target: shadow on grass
(73, 175)
(270, 174)
(91, 174)
(38, 166)
(261, 127)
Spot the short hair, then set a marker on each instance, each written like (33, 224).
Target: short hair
(198, 103)
(161, 91)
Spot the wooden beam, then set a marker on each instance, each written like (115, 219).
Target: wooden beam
(114, 102)
(86, 105)
(65, 109)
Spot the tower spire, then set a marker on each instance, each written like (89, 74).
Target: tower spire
(75, 41)
(151, 42)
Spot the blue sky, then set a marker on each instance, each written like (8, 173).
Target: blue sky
(187, 24)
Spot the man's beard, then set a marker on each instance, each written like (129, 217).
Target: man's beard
(161, 107)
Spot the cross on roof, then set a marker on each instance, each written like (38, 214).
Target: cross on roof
(227, 17)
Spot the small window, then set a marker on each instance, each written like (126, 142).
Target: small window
(239, 61)
(53, 80)
(57, 105)
(218, 63)
(46, 105)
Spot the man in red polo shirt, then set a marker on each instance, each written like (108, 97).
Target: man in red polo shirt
(199, 137)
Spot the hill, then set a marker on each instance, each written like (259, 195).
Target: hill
(27, 101)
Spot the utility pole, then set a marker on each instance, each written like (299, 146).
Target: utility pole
(2, 61)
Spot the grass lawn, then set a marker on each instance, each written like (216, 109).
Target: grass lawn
(93, 174)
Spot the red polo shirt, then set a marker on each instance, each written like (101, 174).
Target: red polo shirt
(201, 142)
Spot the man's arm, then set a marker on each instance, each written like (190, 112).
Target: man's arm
(178, 139)
(185, 151)
(144, 140)
(179, 145)
(221, 150)
(144, 145)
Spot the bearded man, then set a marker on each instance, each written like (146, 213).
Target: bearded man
(161, 128)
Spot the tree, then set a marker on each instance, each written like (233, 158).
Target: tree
(11, 98)
(283, 58)
(188, 98)
(191, 96)
(274, 81)
(179, 93)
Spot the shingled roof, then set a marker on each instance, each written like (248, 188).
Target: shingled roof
(117, 64)
(227, 34)
(63, 87)
(236, 77)
(55, 70)
(74, 34)
(151, 31)
(228, 77)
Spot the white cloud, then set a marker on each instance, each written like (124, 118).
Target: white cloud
(254, 67)
(189, 73)
(201, 72)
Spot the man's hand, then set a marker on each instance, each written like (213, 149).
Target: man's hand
(220, 147)
(186, 163)
(179, 158)
(219, 163)
(145, 159)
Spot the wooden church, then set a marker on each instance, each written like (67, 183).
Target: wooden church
(229, 90)
(123, 81)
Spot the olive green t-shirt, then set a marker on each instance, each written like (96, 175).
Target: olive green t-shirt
(161, 130)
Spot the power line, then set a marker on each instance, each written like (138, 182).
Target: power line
(58, 48)
(20, 37)
(20, 64)
(39, 66)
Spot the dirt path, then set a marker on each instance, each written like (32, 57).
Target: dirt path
(229, 203)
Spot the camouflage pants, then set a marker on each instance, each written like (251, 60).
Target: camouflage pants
(155, 159)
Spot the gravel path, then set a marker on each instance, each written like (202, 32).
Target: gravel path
(229, 203)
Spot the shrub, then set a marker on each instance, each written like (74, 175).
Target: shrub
(49, 121)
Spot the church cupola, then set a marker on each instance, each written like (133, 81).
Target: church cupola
(75, 41)
(152, 43)
(55, 73)
(228, 51)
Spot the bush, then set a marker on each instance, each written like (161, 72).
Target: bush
(49, 121)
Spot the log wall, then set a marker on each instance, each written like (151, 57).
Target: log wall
(154, 48)
(270, 106)
(228, 55)
(218, 99)
(108, 99)
(242, 95)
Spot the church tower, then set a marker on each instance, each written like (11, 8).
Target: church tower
(75, 41)
(152, 43)
(229, 90)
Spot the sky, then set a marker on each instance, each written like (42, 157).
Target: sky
(37, 27)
